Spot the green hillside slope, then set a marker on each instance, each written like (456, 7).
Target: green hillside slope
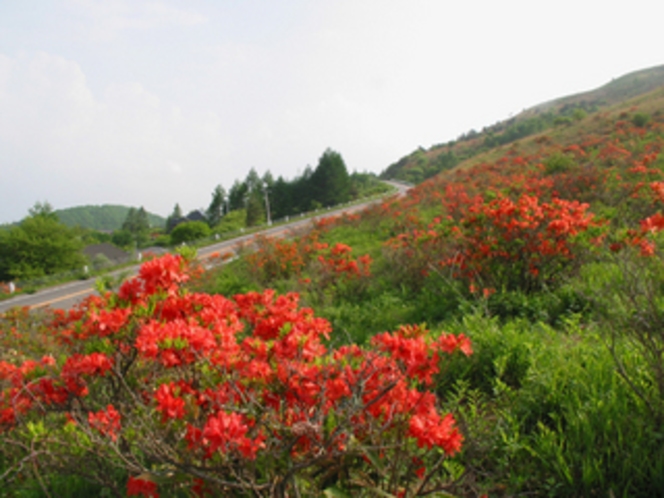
(614, 92)
(548, 253)
(106, 217)
(495, 331)
(560, 113)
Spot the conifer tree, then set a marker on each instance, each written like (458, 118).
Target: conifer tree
(216, 209)
(137, 224)
(330, 182)
(173, 218)
(255, 209)
(236, 196)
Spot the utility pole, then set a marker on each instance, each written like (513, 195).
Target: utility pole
(267, 206)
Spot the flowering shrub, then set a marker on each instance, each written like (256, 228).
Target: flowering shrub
(219, 396)
(336, 272)
(502, 243)
(324, 270)
(276, 259)
(520, 244)
(340, 263)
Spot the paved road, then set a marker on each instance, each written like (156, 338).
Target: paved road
(66, 295)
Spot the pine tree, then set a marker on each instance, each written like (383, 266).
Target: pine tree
(302, 191)
(281, 198)
(237, 195)
(253, 182)
(255, 209)
(173, 218)
(216, 209)
(137, 224)
(268, 179)
(330, 182)
(142, 221)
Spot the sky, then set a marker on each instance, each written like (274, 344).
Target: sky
(155, 102)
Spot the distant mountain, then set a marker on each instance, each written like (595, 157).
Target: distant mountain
(104, 218)
(426, 163)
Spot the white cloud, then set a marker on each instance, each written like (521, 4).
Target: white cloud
(5, 70)
(103, 20)
(61, 143)
(174, 167)
(44, 96)
(180, 96)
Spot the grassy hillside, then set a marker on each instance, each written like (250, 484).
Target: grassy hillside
(548, 254)
(104, 218)
(557, 114)
(615, 92)
(339, 357)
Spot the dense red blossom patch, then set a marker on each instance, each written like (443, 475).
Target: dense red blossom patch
(524, 220)
(226, 381)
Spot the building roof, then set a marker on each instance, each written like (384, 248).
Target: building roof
(113, 253)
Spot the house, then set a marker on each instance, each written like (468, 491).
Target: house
(106, 254)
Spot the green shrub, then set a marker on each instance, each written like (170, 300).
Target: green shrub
(548, 307)
(357, 322)
(101, 261)
(189, 231)
(544, 412)
(233, 221)
(558, 163)
(640, 119)
(630, 308)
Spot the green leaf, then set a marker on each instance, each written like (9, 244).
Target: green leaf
(36, 429)
(335, 492)
(376, 462)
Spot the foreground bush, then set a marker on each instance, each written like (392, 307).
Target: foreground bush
(227, 397)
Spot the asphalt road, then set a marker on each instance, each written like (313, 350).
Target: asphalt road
(66, 295)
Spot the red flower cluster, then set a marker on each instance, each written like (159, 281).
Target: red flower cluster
(224, 382)
(504, 243)
(107, 422)
(277, 258)
(339, 263)
(315, 261)
(141, 487)
(657, 189)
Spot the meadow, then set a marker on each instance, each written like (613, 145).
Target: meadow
(496, 332)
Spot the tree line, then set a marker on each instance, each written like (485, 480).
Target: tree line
(42, 245)
(327, 185)
(260, 199)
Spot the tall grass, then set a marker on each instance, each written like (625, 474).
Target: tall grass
(545, 413)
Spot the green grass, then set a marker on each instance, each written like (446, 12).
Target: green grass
(542, 408)
(545, 413)
(542, 405)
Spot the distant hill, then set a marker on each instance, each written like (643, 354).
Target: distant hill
(618, 90)
(104, 218)
(426, 163)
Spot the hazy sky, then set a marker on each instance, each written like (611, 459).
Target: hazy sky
(156, 102)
